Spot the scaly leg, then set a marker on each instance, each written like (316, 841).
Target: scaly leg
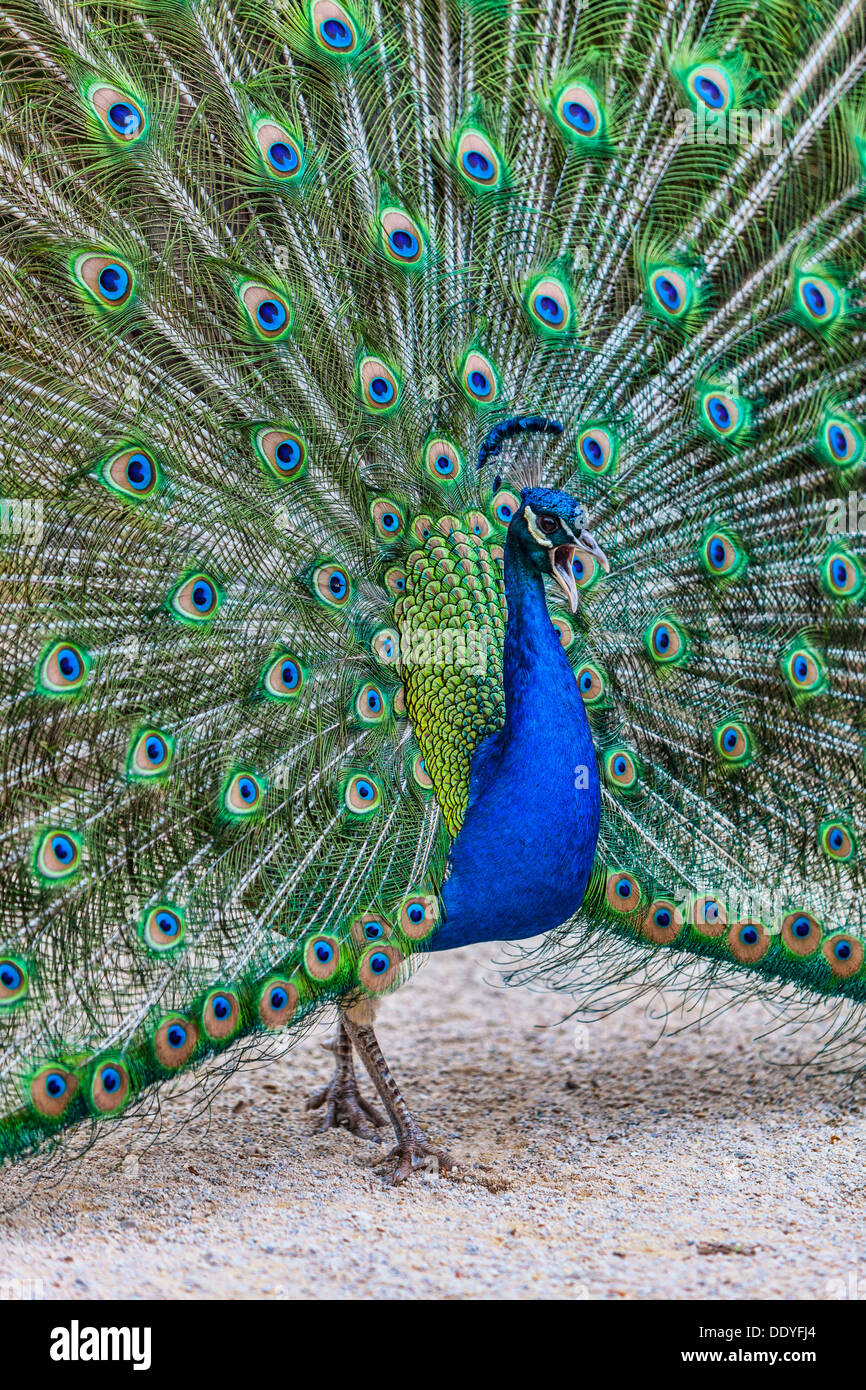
(345, 1107)
(412, 1147)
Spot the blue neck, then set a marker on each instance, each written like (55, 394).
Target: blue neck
(521, 861)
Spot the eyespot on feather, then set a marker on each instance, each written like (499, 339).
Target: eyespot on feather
(268, 311)
(195, 599)
(242, 794)
(395, 580)
(132, 473)
(401, 238)
(283, 678)
(278, 1000)
(281, 150)
(150, 755)
(843, 954)
(52, 1090)
(748, 941)
(62, 669)
(621, 769)
(591, 682)
(622, 891)
(565, 630)
(335, 30)
(388, 518)
(370, 704)
(665, 641)
(709, 85)
(663, 922)
(370, 928)
(321, 957)
(804, 669)
(478, 164)
(121, 115)
(109, 1088)
(597, 450)
(838, 840)
(162, 928)
(419, 915)
(362, 794)
(442, 460)
(549, 306)
(174, 1041)
(108, 280)
(332, 585)
(478, 379)
(14, 981)
(57, 855)
(707, 915)
(842, 575)
(379, 969)
(385, 646)
(801, 933)
(379, 386)
(721, 555)
(504, 507)
(221, 1014)
(734, 743)
(283, 451)
(580, 115)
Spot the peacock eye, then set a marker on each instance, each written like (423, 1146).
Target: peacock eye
(548, 524)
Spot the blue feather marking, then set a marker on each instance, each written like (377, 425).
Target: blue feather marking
(491, 444)
(513, 876)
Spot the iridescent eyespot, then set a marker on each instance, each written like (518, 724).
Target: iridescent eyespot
(385, 646)
(419, 914)
(748, 941)
(395, 580)
(401, 238)
(388, 519)
(586, 569)
(379, 968)
(505, 506)
(843, 954)
(722, 415)
(818, 301)
(804, 669)
(14, 981)
(597, 449)
(283, 677)
(321, 957)
(109, 1087)
(549, 305)
(663, 922)
(579, 114)
(174, 1041)
(710, 86)
(443, 460)
(362, 794)
(108, 280)
(120, 114)
(622, 892)
(565, 630)
(721, 555)
(842, 440)
(671, 292)
(162, 928)
(331, 583)
(268, 311)
(801, 933)
(379, 387)
(62, 669)
(666, 642)
(334, 29)
(370, 704)
(150, 755)
(195, 599)
(477, 525)
(52, 1091)
(838, 840)
(221, 1014)
(282, 451)
(734, 742)
(422, 528)
(282, 152)
(480, 167)
(278, 1000)
(591, 682)
(242, 794)
(708, 915)
(622, 769)
(371, 927)
(420, 776)
(478, 379)
(842, 574)
(58, 854)
(132, 473)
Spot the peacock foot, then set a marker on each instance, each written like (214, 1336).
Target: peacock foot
(412, 1151)
(344, 1106)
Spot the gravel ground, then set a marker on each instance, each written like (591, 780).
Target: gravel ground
(593, 1165)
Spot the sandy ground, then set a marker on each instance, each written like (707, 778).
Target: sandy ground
(593, 1166)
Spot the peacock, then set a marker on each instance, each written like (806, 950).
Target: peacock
(431, 440)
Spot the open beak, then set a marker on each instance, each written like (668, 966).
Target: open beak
(562, 564)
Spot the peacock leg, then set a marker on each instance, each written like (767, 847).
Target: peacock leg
(412, 1148)
(344, 1106)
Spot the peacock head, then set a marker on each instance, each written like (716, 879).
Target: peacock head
(549, 528)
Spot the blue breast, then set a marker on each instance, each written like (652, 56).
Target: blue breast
(522, 859)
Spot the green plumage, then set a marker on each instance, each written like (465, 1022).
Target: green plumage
(270, 275)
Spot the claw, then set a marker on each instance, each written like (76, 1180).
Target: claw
(414, 1153)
